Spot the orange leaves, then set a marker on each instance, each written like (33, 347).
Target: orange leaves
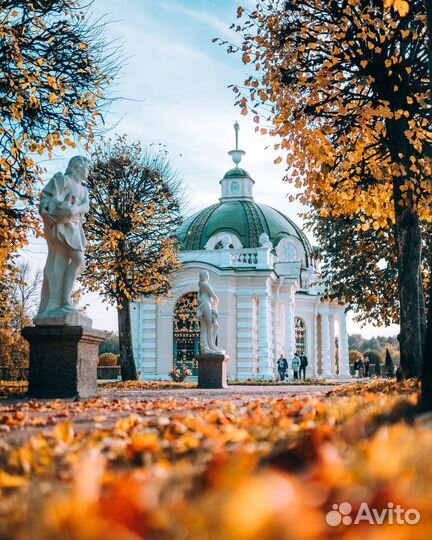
(189, 468)
(401, 6)
(11, 481)
(64, 432)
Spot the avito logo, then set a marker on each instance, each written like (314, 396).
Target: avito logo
(342, 514)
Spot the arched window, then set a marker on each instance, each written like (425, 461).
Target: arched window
(223, 240)
(300, 336)
(220, 245)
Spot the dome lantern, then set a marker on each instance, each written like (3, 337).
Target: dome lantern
(237, 183)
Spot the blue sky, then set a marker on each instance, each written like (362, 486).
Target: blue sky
(175, 91)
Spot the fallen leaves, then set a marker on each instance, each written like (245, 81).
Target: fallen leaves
(248, 469)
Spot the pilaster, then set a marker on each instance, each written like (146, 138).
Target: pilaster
(325, 341)
(344, 370)
(247, 354)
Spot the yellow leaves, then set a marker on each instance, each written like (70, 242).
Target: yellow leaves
(364, 63)
(11, 481)
(126, 424)
(83, 46)
(278, 160)
(64, 432)
(246, 58)
(401, 6)
(53, 99)
(143, 442)
(214, 469)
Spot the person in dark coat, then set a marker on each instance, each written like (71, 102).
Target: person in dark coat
(366, 366)
(282, 366)
(303, 366)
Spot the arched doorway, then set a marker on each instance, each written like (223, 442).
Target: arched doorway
(300, 336)
(186, 332)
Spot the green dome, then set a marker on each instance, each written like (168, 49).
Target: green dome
(246, 219)
(237, 172)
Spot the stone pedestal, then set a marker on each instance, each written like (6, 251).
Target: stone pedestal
(212, 370)
(63, 361)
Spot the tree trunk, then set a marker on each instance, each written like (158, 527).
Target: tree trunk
(423, 313)
(426, 395)
(127, 361)
(408, 237)
(409, 248)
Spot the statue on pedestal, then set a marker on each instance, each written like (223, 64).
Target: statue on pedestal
(208, 315)
(64, 203)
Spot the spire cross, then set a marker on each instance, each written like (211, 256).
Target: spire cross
(236, 128)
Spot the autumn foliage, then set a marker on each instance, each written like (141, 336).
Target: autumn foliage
(134, 214)
(344, 85)
(55, 66)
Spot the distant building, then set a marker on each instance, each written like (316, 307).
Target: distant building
(264, 271)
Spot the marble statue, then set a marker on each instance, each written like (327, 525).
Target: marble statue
(64, 203)
(265, 241)
(208, 315)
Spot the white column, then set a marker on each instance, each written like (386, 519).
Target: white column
(265, 349)
(278, 333)
(325, 341)
(135, 312)
(246, 328)
(344, 370)
(289, 330)
(315, 359)
(310, 337)
(332, 343)
(147, 341)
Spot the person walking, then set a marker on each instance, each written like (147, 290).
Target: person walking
(366, 366)
(282, 366)
(303, 366)
(295, 364)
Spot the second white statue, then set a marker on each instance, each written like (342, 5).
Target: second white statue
(208, 315)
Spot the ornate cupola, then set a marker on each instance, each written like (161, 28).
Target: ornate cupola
(237, 183)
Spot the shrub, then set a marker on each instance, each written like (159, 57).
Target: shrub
(14, 351)
(355, 355)
(110, 344)
(108, 360)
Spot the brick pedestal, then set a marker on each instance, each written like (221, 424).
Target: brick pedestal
(63, 361)
(212, 370)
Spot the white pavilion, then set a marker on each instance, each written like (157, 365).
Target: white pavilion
(264, 272)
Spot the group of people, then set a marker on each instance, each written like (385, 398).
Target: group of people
(298, 366)
(362, 367)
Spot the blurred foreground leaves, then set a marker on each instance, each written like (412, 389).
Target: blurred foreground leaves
(245, 469)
